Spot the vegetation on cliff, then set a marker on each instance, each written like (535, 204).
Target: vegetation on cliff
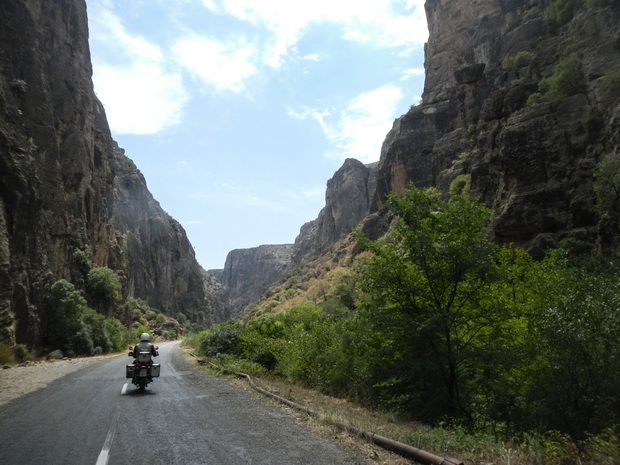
(437, 323)
(89, 315)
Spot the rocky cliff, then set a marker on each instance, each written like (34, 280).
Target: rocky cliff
(248, 273)
(347, 202)
(66, 186)
(522, 102)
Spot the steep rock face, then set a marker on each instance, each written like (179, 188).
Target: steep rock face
(347, 202)
(216, 296)
(248, 273)
(64, 183)
(532, 163)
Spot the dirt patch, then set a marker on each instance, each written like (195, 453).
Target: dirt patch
(22, 379)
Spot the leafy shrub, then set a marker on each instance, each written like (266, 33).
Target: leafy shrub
(66, 306)
(19, 85)
(520, 60)
(82, 342)
(22, 353)
(169, 335)
(6, 353)
(83, 262)
(229, 363)
(563, 11)
(262, 340)
(104, 287)
(611, 81)
(118, 335)
(261, 348)
(603, 449)
(461, 185)
(224, 338)
(139, 329)
(75, 328)
(567, 79)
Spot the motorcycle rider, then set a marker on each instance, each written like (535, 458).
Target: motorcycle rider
(145, 346)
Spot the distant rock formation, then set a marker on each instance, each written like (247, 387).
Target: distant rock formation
(248, 273)
(522, 100)
(66, 186)
(347, 202)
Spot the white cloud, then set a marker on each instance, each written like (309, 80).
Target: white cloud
(232, 187)
(141, 84)
(359, 130)
(224, 65)
(312, 193)
(412, 72)
(387, 23)
(139, 98)
(140, 95)
(312, 57)
(356, 35)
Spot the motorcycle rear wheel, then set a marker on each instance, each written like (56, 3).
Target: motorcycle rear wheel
(142, 384)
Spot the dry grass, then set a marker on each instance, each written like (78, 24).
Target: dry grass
(472, 450)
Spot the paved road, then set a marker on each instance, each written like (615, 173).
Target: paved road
(91, 417)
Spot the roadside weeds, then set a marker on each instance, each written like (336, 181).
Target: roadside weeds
(337, 418)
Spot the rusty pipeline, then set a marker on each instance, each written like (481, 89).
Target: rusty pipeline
(400, 448)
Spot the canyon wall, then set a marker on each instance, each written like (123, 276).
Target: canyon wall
(66, 186)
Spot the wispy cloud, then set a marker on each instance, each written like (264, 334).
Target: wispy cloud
(362, 126)
(143, 85)
(222, 65)
(386, 23)
(141, 95)
(312, 57)
(412, 72)
(359, 130)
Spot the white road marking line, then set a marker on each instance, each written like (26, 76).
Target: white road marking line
(105, 452)
(124, 390)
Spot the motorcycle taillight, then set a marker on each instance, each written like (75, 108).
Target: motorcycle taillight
(142, 366)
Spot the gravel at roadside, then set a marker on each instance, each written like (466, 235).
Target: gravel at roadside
(22, 379)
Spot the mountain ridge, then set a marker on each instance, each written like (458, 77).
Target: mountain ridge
(520, 107)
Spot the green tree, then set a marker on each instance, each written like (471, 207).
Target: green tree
(71, 325)
(66, 305)
(104, 288)
(574, 325)
(426, 297)
(316, 348)
(223, 338)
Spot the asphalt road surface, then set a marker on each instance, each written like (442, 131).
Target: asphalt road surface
(95, 417)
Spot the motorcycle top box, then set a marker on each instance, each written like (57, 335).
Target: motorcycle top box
(144, 357)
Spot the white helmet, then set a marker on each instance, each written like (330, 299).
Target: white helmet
(144, 337)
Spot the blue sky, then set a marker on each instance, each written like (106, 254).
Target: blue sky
(238, 112)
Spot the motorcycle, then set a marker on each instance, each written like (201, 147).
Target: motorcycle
(142, 370)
